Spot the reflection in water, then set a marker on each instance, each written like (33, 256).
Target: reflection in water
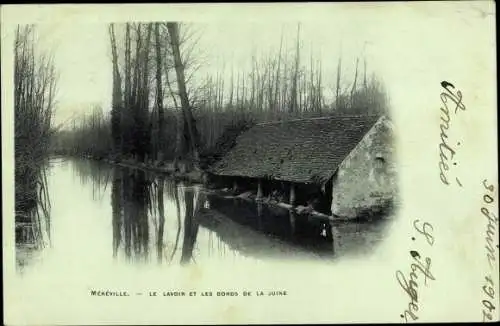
(153, 218)
(135, 195)
(173, 190)
(240, 223)
(139, 217)
(117, 208)
(190, 228)
(96, 174)
(32, 213)
(161, 219)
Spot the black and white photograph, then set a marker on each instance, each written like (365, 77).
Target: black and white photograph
(246, 160)
(218, 168)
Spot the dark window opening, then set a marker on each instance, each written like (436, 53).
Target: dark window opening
(379, 164)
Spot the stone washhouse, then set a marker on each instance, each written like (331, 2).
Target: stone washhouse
(345, 165)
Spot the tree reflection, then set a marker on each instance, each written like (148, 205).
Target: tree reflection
(140, 217)
(94, 172)
(191, 227)
(32, 212)
(161, 219)
(130, 200)
(117, 209)
(174, 191)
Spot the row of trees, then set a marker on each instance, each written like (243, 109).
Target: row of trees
(90, 135)
(145, 58)
(35, 81)
(159, 112)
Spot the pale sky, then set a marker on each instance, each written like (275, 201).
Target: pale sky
(396, 40)
(82, 59)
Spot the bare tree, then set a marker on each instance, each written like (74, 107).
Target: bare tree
(159, 94)
(294, 104)
(35, 87)
(276, 78)
(173, 31)
(355, 79)
(117, 95)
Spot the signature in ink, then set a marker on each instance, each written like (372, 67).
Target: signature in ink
(446, 151)
(420, 267)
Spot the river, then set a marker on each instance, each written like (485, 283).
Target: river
(101, 214)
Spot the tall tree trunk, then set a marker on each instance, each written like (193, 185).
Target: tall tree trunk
(320, 87)
(136, 66)
(231, 88)
(178, 117)
(311, 85)
(364, 73)
(353, 90)
(145, 132)
(270, 86)
(159, 96)
(135, 109)
(125, 117)
(278, 75)
(294, 104)
(238, 96)
(117, 95)
(339, 71)
(173, 30)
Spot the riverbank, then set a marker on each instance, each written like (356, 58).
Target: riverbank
(168, 169)
(199, 177)
(306, 211)
(165, 168)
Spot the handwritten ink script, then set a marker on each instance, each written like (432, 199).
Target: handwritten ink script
(447, 151)
(420, 267)
(488, 286)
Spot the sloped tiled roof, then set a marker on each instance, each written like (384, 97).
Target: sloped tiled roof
(302, 151)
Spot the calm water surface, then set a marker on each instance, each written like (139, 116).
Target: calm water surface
(101, 214)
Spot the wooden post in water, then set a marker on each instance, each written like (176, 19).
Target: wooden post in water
(259, 189)
(235, 186)
(259, 215)
(292, 194)
(292, 218)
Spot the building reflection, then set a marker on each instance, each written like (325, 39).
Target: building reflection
(234, 220)
(154, 217)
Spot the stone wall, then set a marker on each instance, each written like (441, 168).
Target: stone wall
(365, 182)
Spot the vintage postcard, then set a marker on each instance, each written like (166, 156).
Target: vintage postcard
(250, 163)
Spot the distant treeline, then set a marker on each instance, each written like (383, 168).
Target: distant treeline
(148, 121)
